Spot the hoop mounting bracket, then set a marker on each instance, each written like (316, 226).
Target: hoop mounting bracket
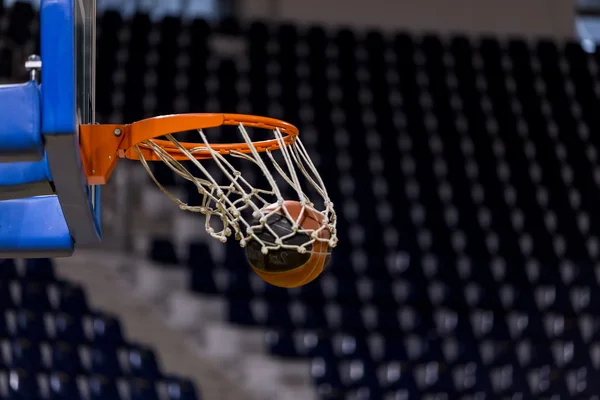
(99, 146)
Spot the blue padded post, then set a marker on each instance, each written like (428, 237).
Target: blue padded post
(33, 227)
(20, 137)
(59, 119)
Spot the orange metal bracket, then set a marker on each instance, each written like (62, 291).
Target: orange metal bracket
(102, 145)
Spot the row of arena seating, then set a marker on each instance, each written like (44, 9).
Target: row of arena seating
(465, 176)
(23, 384)
(54, 346)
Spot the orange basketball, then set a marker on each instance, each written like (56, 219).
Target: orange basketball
(289, 268)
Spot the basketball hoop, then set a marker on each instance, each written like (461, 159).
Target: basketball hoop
(236, 204)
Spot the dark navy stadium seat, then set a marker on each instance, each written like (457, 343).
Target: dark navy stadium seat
(142, 363)
(180, 389)
(39, 270)
(104, 362)
(102, 388)
(34, 297)
(23, 385)
(141, 389)
(68, 328)
(25, 355)
(72, 300)
(8, 270)
(106, 331)
(62, 387)
(30, 325)
(65, 358)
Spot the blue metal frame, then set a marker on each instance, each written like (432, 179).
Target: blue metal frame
(46, 206)
(59, 119)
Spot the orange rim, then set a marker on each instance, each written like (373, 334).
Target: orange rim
(101, 146)
(150, 128)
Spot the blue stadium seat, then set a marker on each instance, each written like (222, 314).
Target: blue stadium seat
(163, 251)
(357, 373)
(351, 347)
(104, 362)
(25, 355)
(34, 297)
(240, 313)
(279, 316)
(68, 328)
(509, 380)
(6, 298)
(314, 318)
(392, 349)
(180, 389)
(22, 385)
(312, 345)
(39, 270)
(65, 359)
(280, 343)
(141, 389)
(396, 376)
(30, 325)
(107, 331)
(238, 286)
(62, 387)
(325, 374)
(8, 270)
(72, 300)
(102, 388)
(142, 363)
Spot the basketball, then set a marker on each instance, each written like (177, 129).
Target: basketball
(289, 268)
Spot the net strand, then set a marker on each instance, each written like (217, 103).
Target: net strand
(236, 201)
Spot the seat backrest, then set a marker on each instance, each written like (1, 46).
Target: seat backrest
(30, 325)
(65, 358)
(102, 388)
(62, 387)
(143, 363)
(105, 362)
(23, 385)
(39, 270)
(25, 355)
(72, 300)
(107, 331)
(180, 389)
(68, 328)
(34, 296)
(8, 270)
(140, 389)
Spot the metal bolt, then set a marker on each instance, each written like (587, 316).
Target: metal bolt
(117, 132)
(33, 65)
(110, 157)
(93, 171)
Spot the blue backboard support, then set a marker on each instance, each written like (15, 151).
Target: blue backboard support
(46, 207)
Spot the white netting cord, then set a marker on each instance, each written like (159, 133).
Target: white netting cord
(236, 201)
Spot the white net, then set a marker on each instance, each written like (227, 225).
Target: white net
(233, 205)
